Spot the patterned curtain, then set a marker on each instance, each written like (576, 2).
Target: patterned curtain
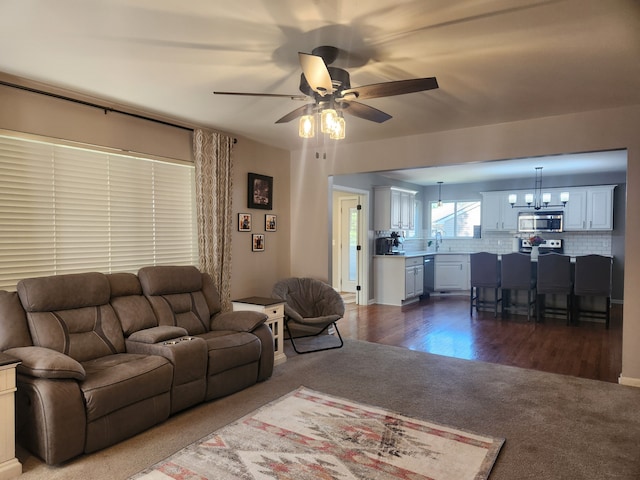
(214, 185)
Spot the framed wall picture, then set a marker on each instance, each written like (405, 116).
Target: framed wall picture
(260, 191)
(270, 223)
(244, 222)
(257, 242)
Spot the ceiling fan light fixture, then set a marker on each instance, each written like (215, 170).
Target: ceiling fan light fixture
(339, 129)
(328, 119)
(307, 126)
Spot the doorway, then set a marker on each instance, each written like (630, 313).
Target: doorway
(349, 250)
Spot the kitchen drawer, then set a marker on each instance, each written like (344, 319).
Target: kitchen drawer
(413, 262)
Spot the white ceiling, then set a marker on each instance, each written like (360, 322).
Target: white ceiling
(495, 60)
(557, 165)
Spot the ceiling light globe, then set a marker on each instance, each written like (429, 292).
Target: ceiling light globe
(339, 128)
(328, 118)
(307, 126)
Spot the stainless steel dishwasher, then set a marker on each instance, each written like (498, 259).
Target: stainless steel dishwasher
(429, 275)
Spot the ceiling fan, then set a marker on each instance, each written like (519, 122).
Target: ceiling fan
(330, 88)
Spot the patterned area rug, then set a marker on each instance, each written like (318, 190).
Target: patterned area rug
(309, 435)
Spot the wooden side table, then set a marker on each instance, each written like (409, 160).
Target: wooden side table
(10, 467)
(274, 309)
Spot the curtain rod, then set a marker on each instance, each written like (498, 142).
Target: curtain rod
(95, 105)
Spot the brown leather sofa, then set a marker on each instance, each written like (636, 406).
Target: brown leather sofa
(104, 357)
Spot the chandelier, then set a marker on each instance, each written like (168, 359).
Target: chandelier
(537, 199)
(327, 118)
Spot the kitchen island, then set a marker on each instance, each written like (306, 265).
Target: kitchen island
(402, 279)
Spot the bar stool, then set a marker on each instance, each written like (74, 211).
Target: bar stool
(593, 279)
(554, 278)
(485, 273)
(516, 274)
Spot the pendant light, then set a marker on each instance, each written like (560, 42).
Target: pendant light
(538, 199)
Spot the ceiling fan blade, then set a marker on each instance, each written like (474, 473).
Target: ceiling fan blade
(279, 95)
(316, 73)
(298, 112)
(365, 111)
(389, 89)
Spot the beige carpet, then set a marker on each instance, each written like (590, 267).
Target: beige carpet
(557, 427)
(308, 435)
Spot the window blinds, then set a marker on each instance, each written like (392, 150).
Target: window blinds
(65, 209)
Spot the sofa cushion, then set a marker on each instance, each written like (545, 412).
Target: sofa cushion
(71, 314)
(46, 363)
(64, 292)
(164, 280)
(130, 305)
(176, 296)
(14, 331)
(116, 381)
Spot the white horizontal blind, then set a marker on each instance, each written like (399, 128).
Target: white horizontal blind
(65, 209)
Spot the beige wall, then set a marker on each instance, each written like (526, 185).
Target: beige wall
(252, 273)
(582, 132)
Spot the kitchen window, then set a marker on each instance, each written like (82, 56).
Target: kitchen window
(454, 219)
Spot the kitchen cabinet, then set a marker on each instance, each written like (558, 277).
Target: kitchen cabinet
(589, 208)
(394, 209)
(452, 272)
(413, 277)
(497, 213)
(397, 280)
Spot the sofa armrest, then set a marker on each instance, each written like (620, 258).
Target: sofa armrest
(238, 321)
(43, 362)
(157, 334)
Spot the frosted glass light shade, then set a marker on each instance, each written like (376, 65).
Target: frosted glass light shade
(339, 128)
(564, 197)
(328, 118)
(513, 198)
(528, 198)
(546, 198)
(307, 126)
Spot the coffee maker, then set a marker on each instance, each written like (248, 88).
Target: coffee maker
(391, 245)
(384, 246)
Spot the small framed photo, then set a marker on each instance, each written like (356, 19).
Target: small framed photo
(260, 190)
(257, 242)
(244, 222)
(270, 223)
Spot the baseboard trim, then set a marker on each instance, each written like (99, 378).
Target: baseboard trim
(629, 382)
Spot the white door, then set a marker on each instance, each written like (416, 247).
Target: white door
(349, 244)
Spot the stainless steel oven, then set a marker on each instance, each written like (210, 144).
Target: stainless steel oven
(530, 222)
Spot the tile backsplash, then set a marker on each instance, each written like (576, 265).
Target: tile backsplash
(575, 243)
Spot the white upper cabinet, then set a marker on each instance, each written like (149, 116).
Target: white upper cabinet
(497, 214)
(589, 208)
(394, 209)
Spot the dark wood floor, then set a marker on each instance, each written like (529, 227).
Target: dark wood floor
(441, 325)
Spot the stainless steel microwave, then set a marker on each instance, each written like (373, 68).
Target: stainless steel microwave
(531, 222)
